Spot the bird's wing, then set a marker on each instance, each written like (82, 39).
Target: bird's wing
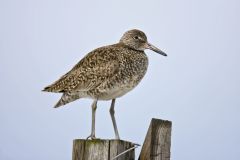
(90, 72)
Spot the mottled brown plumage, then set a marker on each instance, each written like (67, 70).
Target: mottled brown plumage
(106, 73)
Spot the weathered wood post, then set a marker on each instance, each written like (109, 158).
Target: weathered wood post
(156, 145)
(158, 141)
(101, 149)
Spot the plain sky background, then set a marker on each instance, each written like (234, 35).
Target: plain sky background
(197, 86)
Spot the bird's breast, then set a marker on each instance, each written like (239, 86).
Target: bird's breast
(131, 71)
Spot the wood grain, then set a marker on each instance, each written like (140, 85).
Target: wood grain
(101, 149)
(157, 143)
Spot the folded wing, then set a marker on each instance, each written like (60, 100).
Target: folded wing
(90, 72)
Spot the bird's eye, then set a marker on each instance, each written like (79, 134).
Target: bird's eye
(136, 37)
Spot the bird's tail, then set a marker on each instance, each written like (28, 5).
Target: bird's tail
(66, 98)
(60, 103)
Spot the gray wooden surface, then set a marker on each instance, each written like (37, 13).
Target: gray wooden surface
(157, 143)
(101, 149)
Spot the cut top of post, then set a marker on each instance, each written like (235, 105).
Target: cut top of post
(101, 149)
(157, 142)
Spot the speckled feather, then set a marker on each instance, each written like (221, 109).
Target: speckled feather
(102, 73)
(107, 72)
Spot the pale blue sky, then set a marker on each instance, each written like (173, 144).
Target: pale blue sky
(197, 86)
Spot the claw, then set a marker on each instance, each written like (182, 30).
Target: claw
(92, 137)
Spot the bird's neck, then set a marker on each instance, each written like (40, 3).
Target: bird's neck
(128, 46)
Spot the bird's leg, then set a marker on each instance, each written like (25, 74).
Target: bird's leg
(112, 112)
(94, 107)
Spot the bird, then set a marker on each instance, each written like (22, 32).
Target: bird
(106, 73)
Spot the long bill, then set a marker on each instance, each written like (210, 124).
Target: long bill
(155, 49)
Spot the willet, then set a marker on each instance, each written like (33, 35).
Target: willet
(106, 73)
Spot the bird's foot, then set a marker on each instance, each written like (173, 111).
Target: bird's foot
(92, 137)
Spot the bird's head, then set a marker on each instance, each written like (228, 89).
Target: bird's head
(137, 40)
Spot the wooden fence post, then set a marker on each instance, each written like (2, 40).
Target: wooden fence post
(156, 145)
(157, 141)
(101, 149)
